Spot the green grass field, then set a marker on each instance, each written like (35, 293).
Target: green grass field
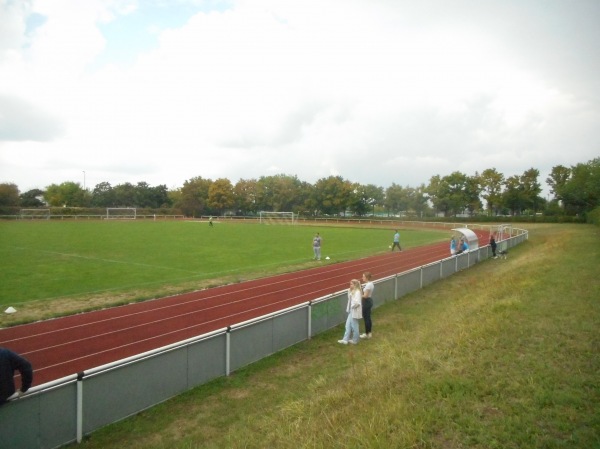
(49, 268)
(505, 355)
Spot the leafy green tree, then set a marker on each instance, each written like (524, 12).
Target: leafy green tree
(287, 193)
(522, 192)
(451, 194)
(456, 190)
(418, 201)
(397, 199)
(279, 193)
(332, 195)
(31, 198)
(9, 195)
(194, 196)
(375, 196)
(359, 202)
(220, 196)
(559, 176)
(103, 195)
(160, 196)
(513, 196)
(532, 189)
(174, 197)
(143, 195)
(125, 195)
(365, 198)
(436, 193)
(305, 201)
(151, 197)
(265, 193)
(491, 189)
(67, 194)
(244, 193)
(581, 193)
(472, 193)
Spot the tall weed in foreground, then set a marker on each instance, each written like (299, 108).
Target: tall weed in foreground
(504, 355)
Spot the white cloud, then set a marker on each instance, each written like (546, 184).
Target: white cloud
(375, 92)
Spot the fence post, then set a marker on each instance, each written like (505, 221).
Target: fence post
(80, 406)
(228, 351)
(309, 319)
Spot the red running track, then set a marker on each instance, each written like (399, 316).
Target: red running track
(64, 346)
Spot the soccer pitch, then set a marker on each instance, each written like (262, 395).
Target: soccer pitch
(46, 260)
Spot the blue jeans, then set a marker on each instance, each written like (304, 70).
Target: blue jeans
(351, 328)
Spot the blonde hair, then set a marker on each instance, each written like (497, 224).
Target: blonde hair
(356, 284)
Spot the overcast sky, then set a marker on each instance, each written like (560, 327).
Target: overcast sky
(375, 91)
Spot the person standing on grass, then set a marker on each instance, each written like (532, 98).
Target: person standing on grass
(317, 246)
(396, 241)
(367, 303)
(354, 309)
(9, 363)
(493, 245)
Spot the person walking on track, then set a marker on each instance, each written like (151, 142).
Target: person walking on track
(396, 241)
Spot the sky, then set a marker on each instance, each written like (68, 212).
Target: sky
(375, 91)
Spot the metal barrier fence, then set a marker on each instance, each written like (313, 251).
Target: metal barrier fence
(63, 411)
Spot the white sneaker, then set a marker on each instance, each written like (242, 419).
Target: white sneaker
(369, 335)
(352, 342)
(364, 336)
(344, 342)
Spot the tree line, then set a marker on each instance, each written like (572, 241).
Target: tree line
(575, 190)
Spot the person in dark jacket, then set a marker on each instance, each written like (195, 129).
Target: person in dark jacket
(9, 363)
(493, 245)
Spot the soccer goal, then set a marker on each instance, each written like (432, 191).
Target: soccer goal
(35, 214)
(266, 217)
(503, 232)
(120, 213)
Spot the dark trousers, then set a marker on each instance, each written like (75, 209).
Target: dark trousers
(366, 313)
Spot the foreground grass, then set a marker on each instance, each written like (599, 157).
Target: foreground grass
(504, 355)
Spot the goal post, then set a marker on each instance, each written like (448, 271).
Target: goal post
(503, 232)
(34, 214)
(120, 213)
(267, 217)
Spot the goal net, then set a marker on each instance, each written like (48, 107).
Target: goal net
(277, 217)
(120, 213)
(503, 232)
(35, 214)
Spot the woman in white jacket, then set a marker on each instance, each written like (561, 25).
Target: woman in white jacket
(354, 309)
